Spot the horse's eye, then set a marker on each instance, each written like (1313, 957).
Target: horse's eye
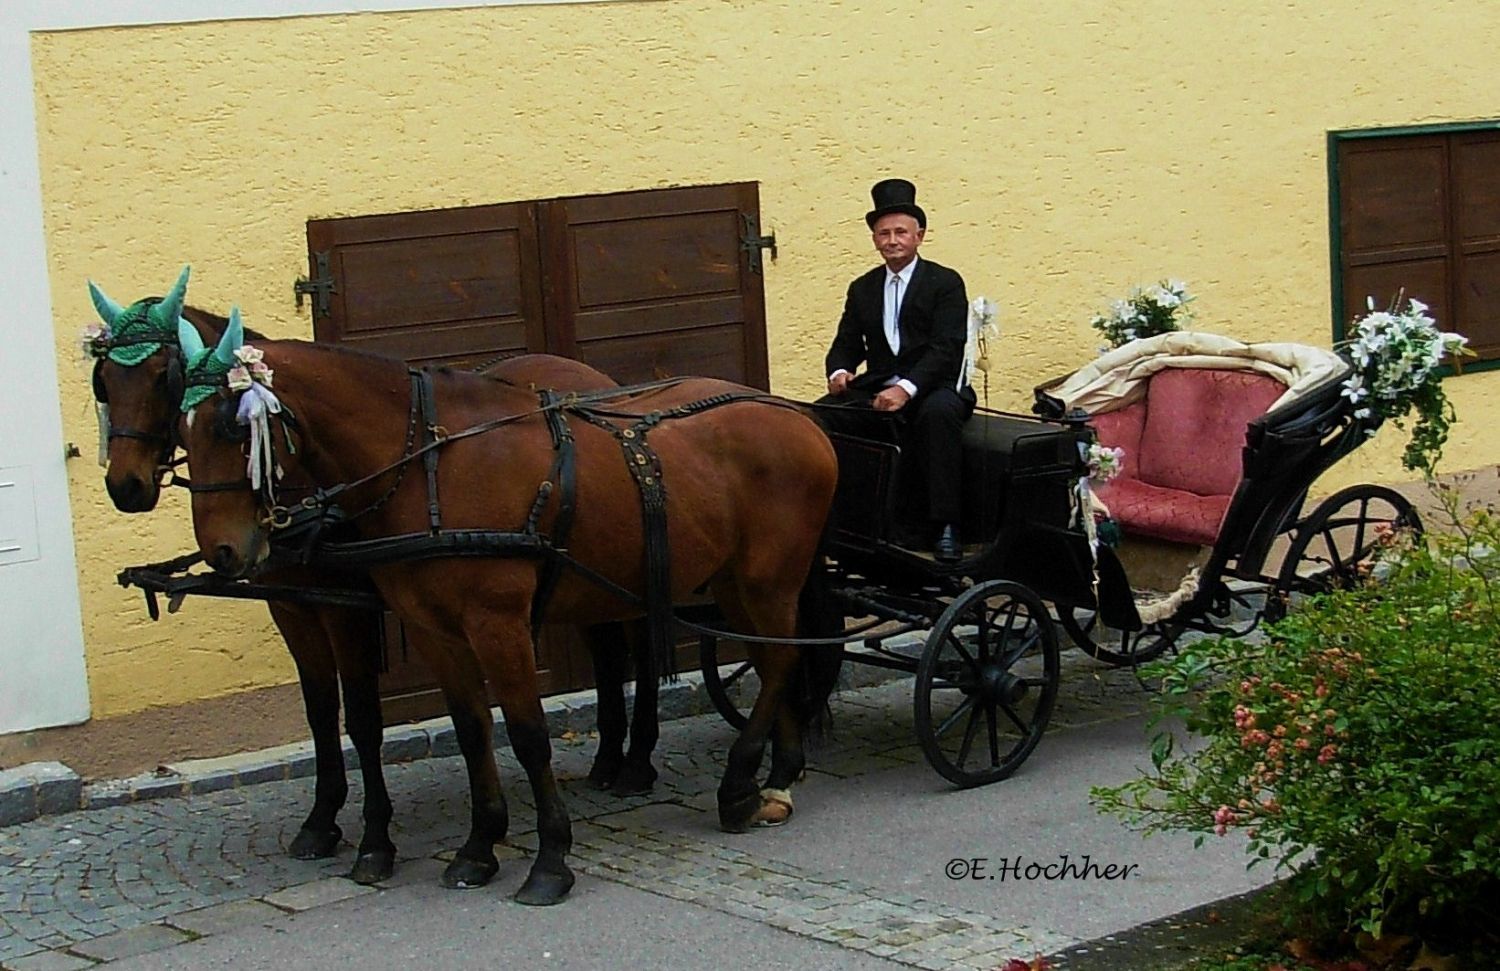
(226, 422)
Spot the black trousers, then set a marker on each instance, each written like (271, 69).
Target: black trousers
(929, 430)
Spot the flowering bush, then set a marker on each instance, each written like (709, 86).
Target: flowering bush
(1358, 746)
(1145, 313)
(1396, 355)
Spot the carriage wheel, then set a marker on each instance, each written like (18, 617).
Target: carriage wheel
(986, 683)
(1118, 648)
(1333, 547)
(719, 686)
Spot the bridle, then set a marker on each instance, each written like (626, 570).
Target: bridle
(168, 439)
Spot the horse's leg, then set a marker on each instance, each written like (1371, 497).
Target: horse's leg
(739, 796)
(511, 666)
(463, 684)
(355, 636)
(317, 675)
(637, 775)
(607, 653)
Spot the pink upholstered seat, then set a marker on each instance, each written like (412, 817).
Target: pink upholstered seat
(1182, 451)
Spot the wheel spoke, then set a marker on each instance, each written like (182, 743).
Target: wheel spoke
(1009, 661)
(952, 719)
(735, 675)
(968, 658)
(968, 742)
(1010, 713)
(989, 717)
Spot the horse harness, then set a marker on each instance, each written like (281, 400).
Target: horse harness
(299, 530)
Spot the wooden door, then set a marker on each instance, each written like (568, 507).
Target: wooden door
(646, 285)
(640, 285)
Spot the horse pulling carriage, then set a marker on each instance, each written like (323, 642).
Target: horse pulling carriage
(420, 518)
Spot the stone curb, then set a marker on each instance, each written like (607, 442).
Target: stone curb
(47, 788)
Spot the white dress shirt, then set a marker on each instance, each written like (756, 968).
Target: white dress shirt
(896, 285)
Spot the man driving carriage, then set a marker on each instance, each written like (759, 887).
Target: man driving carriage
(906, 322)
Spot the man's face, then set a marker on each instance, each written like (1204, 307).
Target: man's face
(897, 237)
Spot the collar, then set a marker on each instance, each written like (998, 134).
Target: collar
(906, 273)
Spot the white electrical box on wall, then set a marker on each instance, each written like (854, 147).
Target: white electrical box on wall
(18, 539)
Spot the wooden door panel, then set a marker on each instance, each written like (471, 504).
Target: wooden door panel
(1476, 183)
(1478, 297)
(446, 286)
(1426, 280)
(714, 353)
(652, 258)
(1395, 203)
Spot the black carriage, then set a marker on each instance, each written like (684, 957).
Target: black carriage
(986, 674)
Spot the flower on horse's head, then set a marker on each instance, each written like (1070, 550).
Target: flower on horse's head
(96, 340)
(208, 370)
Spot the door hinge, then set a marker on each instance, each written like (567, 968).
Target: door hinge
(752, 242)
(321, 287)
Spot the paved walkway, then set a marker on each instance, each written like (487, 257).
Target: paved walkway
(860, 878)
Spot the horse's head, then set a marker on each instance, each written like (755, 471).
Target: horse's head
(137, 385)
(228, 407)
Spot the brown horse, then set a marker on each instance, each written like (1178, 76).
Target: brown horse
(749, 482)
(332, 645)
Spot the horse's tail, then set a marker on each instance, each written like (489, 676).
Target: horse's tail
(817, 671)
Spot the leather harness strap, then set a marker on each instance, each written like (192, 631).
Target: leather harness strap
(561, 483)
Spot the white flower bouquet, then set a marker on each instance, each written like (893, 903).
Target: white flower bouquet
(1148, 311)
(1396, 354)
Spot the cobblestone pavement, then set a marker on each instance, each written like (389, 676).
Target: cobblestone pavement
(115, 882)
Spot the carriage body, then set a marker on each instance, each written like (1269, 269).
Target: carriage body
(1267, 549)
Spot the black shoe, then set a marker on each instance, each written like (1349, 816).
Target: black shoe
(948, 549)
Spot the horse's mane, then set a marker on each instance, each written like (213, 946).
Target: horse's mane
(216, 323)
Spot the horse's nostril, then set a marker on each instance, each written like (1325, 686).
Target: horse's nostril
(223, 558)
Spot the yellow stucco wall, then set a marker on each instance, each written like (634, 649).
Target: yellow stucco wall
(1064, 152)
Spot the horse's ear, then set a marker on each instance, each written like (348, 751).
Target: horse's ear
(188, 339)
(170, 307)
(107, 308)
(233, 339)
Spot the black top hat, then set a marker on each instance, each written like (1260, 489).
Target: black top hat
(895, 195)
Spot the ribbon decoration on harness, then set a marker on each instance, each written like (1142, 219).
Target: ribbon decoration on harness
(242, 368)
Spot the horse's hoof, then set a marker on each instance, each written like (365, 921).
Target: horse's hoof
(634, 780)
(602, 775)
(466, 874)
(373, 866)
(312, 844)
(775, 808)
(735, 816)
(542, 889)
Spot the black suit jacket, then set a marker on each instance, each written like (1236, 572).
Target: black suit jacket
(934, 328)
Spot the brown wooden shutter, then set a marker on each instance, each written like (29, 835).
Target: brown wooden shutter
(645, 285)
(1476, 269)
(1394, 224)
(1422, 213)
